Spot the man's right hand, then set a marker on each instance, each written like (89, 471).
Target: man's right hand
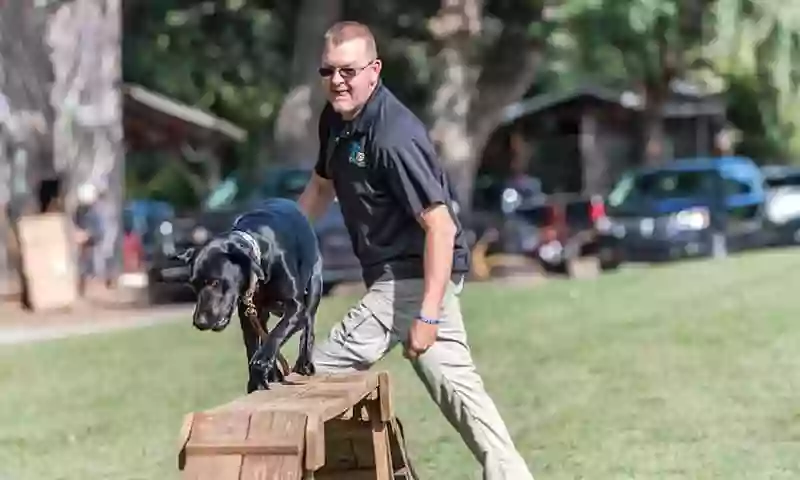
(317, 196)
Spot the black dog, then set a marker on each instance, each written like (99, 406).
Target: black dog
(272, 253)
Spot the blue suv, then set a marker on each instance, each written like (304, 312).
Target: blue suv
(686, 207)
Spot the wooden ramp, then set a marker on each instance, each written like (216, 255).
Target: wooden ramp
(325, 427)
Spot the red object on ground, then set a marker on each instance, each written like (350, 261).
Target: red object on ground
(132, 253)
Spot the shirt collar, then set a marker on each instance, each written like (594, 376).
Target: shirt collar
(369, 113)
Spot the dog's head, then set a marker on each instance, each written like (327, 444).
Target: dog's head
(220, 271)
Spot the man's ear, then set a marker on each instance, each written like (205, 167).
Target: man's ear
(185, 256)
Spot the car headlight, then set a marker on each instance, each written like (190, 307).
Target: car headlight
(610, 226)
(690, 219)
(200, 235)
(165, 228)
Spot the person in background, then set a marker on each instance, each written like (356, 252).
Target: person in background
(89, 233)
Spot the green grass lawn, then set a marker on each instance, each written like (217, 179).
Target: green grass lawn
(689, 371)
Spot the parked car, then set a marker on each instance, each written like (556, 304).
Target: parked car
(142, 219)
(688, 208)
(782, 204)
(233, 196)
(554, 230)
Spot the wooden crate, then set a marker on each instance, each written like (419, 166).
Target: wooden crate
(325, 427)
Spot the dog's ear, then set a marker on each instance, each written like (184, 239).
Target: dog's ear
(185, 256)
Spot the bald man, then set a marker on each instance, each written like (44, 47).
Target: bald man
(377, 158)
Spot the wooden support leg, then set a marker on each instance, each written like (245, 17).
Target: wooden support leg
(380, 443)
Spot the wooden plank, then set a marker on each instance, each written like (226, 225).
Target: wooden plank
(385, 396)
(380, 444)
(242, 448)
(219, 428)
(221, 467)
(355, 474)
(315, 443)
(268, 427)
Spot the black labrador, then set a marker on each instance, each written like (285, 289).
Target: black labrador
(272, 256)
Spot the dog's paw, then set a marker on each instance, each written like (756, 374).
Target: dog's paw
(254, 385)
(304, 367)
(259, 364)
(275, 375)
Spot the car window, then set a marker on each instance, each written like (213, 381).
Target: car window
(782, 181)
(662, 185)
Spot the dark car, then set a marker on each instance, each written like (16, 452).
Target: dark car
(688, 208)
(553, 230)
(233, 196)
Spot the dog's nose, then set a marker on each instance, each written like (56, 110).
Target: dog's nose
(200, 321)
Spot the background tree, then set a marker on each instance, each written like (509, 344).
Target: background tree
(486, 56)
(296, 122)
(641, 45)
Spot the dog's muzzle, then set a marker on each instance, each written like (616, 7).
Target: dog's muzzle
(204, 322)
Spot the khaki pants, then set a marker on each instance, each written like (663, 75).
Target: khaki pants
(380, 321)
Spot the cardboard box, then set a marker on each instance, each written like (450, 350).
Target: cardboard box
(47, 261)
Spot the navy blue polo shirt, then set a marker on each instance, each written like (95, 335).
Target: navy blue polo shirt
(385, 172)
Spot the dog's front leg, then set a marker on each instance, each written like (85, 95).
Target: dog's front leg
(250, 337)
(265, 357)
(305, 364)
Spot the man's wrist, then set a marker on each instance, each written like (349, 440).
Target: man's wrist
(430, 320)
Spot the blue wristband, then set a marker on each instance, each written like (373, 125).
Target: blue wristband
(429, 321)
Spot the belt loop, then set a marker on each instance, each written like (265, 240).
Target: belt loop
(459, 285)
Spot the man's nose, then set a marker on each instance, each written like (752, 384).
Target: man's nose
(337, 79)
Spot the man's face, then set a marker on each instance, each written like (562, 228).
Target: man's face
(349, 74)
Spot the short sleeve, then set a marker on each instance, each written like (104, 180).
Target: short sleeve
(413, 174)
(323, 127)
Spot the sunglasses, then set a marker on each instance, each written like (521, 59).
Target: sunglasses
(346, 72)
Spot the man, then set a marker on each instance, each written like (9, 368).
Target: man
(376, 157)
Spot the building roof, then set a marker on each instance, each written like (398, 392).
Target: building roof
(686, 101)
(156, 119)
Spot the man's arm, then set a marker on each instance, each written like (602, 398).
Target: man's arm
(440, 233)
(319, 192)
(316, 197)
(416, 180)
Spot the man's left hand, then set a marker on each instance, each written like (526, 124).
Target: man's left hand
(421, 337)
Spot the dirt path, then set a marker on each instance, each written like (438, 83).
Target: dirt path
(17, 326)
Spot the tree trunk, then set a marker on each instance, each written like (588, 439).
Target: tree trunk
(653, 130)
(296, 125)
(455, 27)
(474, 89)
(25, 116)
(85, 45)
(593, 158)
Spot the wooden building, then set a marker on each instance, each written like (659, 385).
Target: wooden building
(582, 139)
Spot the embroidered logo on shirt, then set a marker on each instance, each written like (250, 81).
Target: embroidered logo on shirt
(356, 155)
